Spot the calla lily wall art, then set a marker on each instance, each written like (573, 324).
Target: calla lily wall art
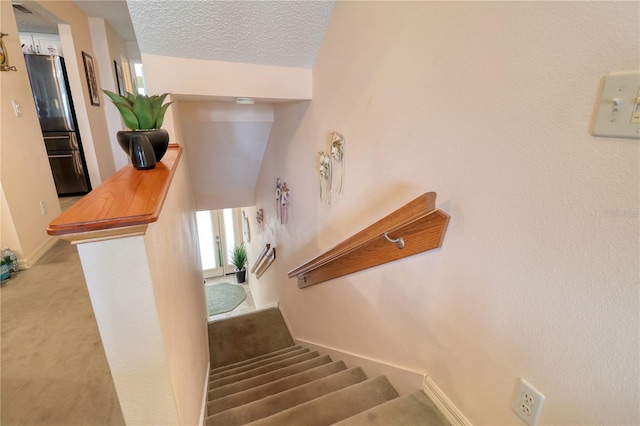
(282, 201)
(328, 164)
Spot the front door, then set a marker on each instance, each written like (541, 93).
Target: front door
(218, 232)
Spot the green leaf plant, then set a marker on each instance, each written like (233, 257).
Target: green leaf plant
(238, 256)
(140, 112)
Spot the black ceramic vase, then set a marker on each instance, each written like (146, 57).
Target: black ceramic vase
(159, 139)
(141, 153)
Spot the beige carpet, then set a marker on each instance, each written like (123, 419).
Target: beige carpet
(247, 336)
(54, 370)
(292, 385)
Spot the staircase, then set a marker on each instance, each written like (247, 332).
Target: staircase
(260, 377)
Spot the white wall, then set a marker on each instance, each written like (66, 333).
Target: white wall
(109, 47)
(208, 80)
(148, 297)
(489, 104)
(225, 143)
(24, 168)
(183, 76)
(174, 258)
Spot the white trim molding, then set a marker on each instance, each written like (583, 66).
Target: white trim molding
(444, 404)
(404, 380)
(203, 412)
(26, 263)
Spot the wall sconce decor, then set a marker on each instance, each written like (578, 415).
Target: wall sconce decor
(4, 56)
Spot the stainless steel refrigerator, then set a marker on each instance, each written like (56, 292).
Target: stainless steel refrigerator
(54, 105)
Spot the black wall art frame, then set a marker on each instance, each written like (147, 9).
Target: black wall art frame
(92, 82)
(119, 78)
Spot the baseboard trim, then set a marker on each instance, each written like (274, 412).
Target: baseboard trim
(267, 306)
(203, 411)
(26, 263)
(403, 379)
(444, 404)
(286, 322)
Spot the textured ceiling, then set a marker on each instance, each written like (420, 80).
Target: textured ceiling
(40, 21)
(283, 33)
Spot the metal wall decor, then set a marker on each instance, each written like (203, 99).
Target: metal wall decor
(260, 218)
(327, 167)
(337, 155)
(4, 56)
(278, 196)
(282, 201)
(245, 228)
(325, 176)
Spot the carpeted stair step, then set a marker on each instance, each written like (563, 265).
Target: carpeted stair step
(272, 388)
(256, 364)
(262, 370)
(284, 400)
(408, 410)
(247, 336)
(252, 360)
(336, 406)
(242, 385)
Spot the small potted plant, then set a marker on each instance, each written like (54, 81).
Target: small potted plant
(142, 114)
(239, 260)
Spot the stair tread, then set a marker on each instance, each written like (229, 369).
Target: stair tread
(414, 409)
(255, 359)
(262, 369)
(232, 388)
(281, 401)
(256, 364)
(247, 336)
(336, 406)
(274, 387)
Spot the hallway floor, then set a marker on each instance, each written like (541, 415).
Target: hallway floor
(54, 370)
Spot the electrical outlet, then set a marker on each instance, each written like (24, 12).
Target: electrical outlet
(43, 208)
(527, 402)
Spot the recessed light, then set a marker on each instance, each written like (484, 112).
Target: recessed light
(244, 101)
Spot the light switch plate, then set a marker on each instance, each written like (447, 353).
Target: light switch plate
(617, 106)
(16, 108)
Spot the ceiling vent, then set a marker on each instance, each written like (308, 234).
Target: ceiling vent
(21, 8)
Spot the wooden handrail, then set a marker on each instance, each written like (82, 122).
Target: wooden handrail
(418, 224)
(123, 205)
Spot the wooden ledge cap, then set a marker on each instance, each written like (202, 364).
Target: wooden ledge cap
(122, 206)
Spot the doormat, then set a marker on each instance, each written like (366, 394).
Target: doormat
(223, 297)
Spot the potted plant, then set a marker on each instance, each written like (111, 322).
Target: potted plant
(239, 260)
(142, 114)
